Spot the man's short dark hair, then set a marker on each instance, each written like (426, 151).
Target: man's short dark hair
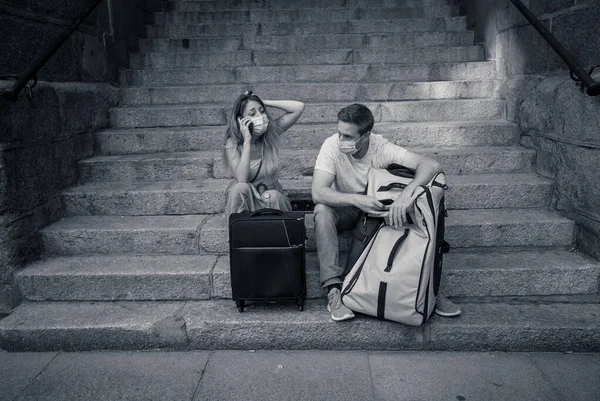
(357, 114)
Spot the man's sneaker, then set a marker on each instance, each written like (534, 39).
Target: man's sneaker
(338, 310)
(445, 307)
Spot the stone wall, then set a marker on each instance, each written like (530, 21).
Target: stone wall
(555, 117)
(93, 53)
(42, 138)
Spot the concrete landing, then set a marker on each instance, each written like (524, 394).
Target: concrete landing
(291, 376)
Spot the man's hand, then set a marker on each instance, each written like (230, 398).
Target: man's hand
(368, 203)
(401, 206)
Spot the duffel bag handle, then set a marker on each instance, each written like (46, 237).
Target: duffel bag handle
(394, 250)
(267, 211)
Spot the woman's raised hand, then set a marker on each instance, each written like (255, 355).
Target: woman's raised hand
(245, 128)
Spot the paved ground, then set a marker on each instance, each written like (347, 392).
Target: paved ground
(304, 375)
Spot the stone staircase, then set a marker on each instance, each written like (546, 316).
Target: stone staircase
(140, 258)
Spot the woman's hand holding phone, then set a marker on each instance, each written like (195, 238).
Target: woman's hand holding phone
(246, 128)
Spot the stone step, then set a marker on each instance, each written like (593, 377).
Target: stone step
(313, 59)
(114, 234)
(294, 164)
(307, 136)
(464, 229)
(199, 234)
(312, 42)
(402, 111)
(363, 73)
(216, 5)
(150, 198)
(453, 24)
(302, 15)
(566, 324)
(201, 277)
(311, 92)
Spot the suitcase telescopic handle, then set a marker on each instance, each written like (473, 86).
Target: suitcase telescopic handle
(267, 211)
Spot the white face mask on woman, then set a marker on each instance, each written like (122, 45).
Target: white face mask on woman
(352, 147)
(260, 124)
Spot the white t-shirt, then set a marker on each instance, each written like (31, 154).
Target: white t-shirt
(350, 173)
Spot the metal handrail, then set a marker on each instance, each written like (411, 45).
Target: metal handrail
(593, 87)
(31, 74)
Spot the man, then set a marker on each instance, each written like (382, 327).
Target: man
(340, 179)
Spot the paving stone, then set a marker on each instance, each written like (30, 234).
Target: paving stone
(575, 376)
(109, 376)
(494, 376)
(19, 370)
(284, 375)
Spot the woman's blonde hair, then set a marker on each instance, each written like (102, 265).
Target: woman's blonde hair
(270, 139)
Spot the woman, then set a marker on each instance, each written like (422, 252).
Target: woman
(251, 151)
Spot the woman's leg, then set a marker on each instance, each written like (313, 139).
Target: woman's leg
(276, 200)
(240, 199)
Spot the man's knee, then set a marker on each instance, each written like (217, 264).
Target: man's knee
(323, 213)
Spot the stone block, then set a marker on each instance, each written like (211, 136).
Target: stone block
(529, 53)
(540, 7)
(177, 235)
(506, 14)
(219, 325)
(31, 120)
(186, 166)
(84, 107)
(94, 65)
(65, 157)
(536, 113)
(118, 278)
(92, 326)
(528, 327)
(577, 175)
(9, 298)
(31, 178)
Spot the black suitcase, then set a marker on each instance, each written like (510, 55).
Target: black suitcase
(267, 257)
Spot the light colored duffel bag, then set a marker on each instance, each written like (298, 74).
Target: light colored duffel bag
(394, 273)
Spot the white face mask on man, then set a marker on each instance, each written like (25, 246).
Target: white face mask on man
(352, 147)
(260, 124)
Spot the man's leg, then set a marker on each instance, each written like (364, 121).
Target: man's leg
(328, 220)
(445, 307)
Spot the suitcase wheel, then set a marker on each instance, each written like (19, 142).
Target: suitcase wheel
(300, 305)
(240, 305)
